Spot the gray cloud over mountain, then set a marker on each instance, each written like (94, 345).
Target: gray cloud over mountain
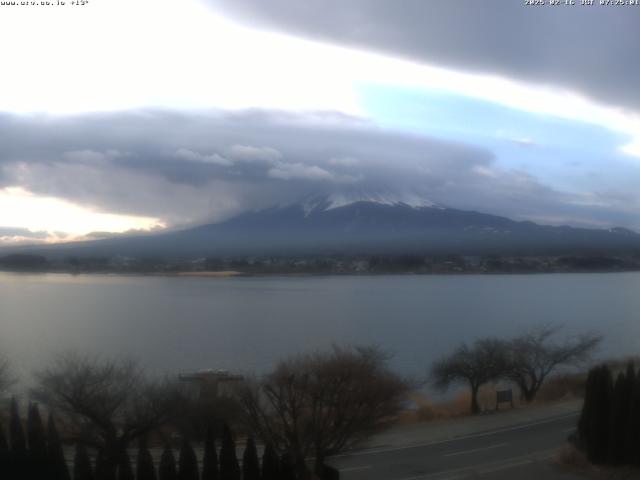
(10, 232)
(588, 49)
(190, 168)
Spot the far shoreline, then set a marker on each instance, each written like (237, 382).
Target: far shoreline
(225, 274)
(207, 273)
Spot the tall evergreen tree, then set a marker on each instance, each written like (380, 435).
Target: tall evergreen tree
(631, 371)
(598, 437)
(287, 467)
(585, 422)
(57, 462)
(250, 463)
(618, 421)
(328, 472)
(188, 462)
(102, 470)
(125, 472)
(167, 468)
(37, 459)
(229, 467)
(145, 470)
(4, 446)
(210, 459)
(82, 464)
(5, 461)
(270, 464)
(36, 434)
(16, 432)
(632, 450)
(629, 434)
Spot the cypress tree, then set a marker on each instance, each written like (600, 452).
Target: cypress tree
(287, 467)
(5, 462)
(633, 432)
(270, 464)
(16, 432)
(108, 469)
(592, 419)
(36, 434)
(631, 372)
(105, 470)
(4, 446)
(145, 469)
(102, 470)
(82, 464)
(250, 463)
(629, 440)
(59, 470)
(229, 468)
(629, 389)
(125, 472)
(210, 459)
(329, 473)
(585, 422)
(188, 462)
(167, 469)
(587, 426)
(598, 440)
(618, 421)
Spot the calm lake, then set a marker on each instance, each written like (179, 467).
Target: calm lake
(176, 324)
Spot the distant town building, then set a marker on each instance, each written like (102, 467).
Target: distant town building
(210, 383)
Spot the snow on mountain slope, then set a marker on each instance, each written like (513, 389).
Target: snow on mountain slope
(335, 200)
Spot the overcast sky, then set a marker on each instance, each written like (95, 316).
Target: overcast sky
(145, 114)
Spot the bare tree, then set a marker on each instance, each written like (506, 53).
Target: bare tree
(535, 354)
(324, 403)
(110, 403)
(477, 364)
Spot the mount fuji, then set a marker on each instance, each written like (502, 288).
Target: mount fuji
(360, 223)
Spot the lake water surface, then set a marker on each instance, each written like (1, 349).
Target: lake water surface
(174, 324)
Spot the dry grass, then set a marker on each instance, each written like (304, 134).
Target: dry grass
(567, 386)
(459, 406)
(558, 388)
(562, 387)
(571, 458)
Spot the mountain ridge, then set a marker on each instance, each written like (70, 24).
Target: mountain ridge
(358, 223)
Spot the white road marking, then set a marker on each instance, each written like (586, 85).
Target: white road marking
(373, 451)
(354, 469)
(506, 466)
(464, 452)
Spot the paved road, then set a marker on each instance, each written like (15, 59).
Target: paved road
(517, 451)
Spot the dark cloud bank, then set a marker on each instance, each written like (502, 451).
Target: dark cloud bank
(591, 50)
(194, 168)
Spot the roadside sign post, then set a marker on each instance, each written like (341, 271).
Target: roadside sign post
(503, 396)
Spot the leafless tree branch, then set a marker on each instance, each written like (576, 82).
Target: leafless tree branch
(110, 402)
(323, 403)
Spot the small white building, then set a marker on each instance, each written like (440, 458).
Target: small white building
(210, 383)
